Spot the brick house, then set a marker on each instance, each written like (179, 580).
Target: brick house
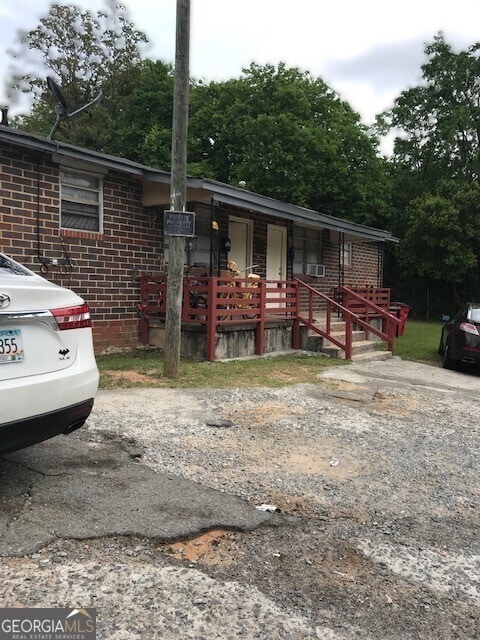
(94, 223)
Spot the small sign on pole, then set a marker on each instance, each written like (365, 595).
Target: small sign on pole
(179, 223)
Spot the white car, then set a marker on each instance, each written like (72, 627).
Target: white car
(48, 372)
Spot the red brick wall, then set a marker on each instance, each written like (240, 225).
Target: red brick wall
(105, 266)
(366, 268)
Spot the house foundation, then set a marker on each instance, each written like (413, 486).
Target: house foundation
(233, 341)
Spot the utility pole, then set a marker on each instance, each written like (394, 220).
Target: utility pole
(178, 192)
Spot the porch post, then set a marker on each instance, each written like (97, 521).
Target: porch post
(342, 260)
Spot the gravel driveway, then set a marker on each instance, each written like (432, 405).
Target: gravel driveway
(374, 473)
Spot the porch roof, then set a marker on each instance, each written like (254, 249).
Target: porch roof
(209, 189)
(243, 198)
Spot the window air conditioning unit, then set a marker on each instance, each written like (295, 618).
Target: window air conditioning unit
(316, 270)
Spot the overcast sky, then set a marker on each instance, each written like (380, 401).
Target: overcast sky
(367, 51)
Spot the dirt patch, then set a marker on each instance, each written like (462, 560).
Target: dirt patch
(400, 404)
(208, 548)
(130, 378)
(342, 385)
(265, 414)
(323, 463)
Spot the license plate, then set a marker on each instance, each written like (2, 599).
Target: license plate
(11, 346)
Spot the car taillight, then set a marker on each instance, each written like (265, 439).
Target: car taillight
(469, 328)
(72, 317)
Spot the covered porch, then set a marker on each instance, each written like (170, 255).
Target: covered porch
(302, 261)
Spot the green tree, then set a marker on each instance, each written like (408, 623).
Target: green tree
(442, 242)
(439, 120)
(438, 125)
(84, 52)
(143, 127)
(289, 136)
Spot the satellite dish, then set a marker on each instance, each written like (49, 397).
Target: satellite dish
(61, 108)
(59, 97)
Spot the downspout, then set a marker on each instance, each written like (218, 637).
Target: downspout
(214, 242)
(43, 261)
(341, 266)
(379, 265)
(211, 237)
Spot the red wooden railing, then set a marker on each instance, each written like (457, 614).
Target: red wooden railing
(369, 304)
(226, 301)
(217, 302)
(387, 333)
(380, 297)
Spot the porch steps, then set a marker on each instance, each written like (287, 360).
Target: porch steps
(362, 349)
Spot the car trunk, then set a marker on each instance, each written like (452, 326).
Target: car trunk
(30, 342)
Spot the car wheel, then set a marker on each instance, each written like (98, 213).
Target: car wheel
(447, 361)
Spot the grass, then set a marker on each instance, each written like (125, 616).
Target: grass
(145, 369)
(419, 342)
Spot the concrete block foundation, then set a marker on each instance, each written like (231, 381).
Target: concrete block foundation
(233, 341)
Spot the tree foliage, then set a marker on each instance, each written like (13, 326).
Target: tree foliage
(440, 119)
(283, 132)
(289, 136)
(435, 171)
(84, 52)
(442, 241)
(143, 128)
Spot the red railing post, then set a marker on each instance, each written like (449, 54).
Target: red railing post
(143, 322)
(391, 334)
(260, 328)
(296, 321)
(348, 338)
(211, 319)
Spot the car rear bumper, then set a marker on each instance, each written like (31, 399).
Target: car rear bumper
(23, 433)
(469, 354)
(23, 398)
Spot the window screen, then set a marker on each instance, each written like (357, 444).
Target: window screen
(80, 201)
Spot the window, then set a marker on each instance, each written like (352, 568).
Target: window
(346, 254)
(307, 248)
(81, 200)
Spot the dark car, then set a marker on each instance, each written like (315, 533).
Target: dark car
(460, 339)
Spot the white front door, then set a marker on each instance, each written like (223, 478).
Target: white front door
(276, 252)
(276, 262)
(240, 234)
